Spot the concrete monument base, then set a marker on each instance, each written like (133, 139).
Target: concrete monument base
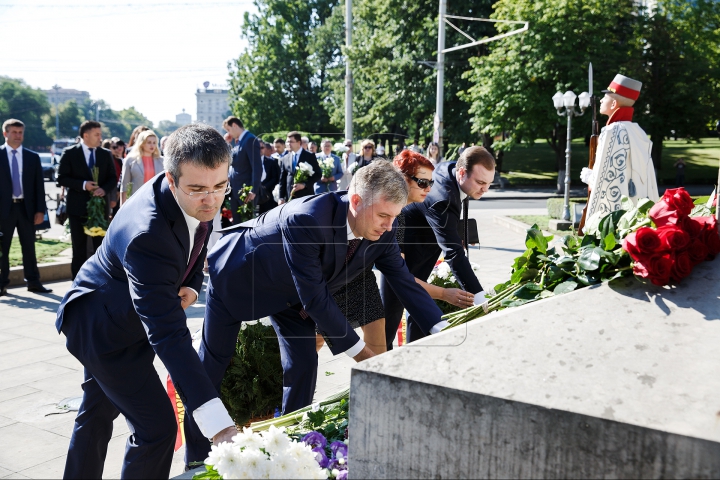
(619, 380)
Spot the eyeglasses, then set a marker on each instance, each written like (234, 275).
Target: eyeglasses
(367, 147)
(224, 192)
(423, 182)
(116, 146)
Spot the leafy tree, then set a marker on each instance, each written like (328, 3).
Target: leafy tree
(277, 82)
(18, 100)
(512, 87)
(166, 127)
(69, 118)
(679, 69)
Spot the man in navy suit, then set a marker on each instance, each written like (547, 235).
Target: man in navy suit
(22, 204)
(246, 164)
(127, 304)
(288, 262)
(294, 156)
(75, 172)
(431, 227)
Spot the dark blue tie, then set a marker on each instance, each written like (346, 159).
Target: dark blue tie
(17, 186)
(294, 161)
(91, 162)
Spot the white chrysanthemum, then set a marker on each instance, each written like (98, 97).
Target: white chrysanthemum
(282, 466)
(306, 167)
(255, 463)
(224, 458)
(443, 270)
(247, 439)
(266, 321)
(275, 440)
(329, 162)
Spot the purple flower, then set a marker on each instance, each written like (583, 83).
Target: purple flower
(342, 475)
(339, 449)
(315, 439)
(336, 465)
(320, 457)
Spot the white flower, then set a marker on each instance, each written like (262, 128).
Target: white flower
(329, 162)
(243, 326)
(275, 440)
(443, 270)
(266, 321)
(307, 168)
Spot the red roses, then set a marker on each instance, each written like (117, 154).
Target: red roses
(678, 244)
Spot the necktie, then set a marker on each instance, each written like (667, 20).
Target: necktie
(91, 162)
(294, 162)
(17, 186)
(466, 204)
(200, 234)
(352, 247)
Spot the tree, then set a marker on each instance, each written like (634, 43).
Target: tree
(166, 127)
(277, 82)
(70, 117)
(512, 87)
(18, 100)
(679, 69)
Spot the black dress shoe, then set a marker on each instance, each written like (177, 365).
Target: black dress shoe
(3, 291)
(38, 289)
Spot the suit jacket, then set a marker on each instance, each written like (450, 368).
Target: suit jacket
(272, 178)
(295, 254)
(246, 164)
(32, 180)
(132, 282)
(337, 172)
(434, 222)
(287, 174)
(73, 171)
(133, 171)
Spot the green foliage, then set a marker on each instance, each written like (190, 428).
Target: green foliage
(245, 209)
(555, 205)
(18, 100)
(69, 118)
(252, 385)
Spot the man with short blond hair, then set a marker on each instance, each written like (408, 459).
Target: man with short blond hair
(22, 204)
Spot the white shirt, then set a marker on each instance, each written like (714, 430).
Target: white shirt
(480, 296)
(86, 151)
(19, 157)
(211, 417)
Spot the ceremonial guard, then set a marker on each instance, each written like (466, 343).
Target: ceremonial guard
(623, 166)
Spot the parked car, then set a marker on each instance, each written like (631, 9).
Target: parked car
(49, 164)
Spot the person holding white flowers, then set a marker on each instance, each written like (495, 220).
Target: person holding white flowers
(329, 162)
(289, 164)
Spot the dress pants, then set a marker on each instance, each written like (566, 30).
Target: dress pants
(138, 394)
(79, 241)
(26, 232)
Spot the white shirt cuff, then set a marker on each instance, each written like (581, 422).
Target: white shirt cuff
(355, 349)
(480, 298)
(84, 185)
(212, 418)
(438, 327)
(196, 295)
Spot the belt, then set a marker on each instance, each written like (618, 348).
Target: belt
(18, 200)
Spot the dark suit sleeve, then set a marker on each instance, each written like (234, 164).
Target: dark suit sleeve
(152, 276)
(418, 302)
(302, 242)
(109, 182)
(283, 179)
(65, 171)
(39, 186)
(444, 222)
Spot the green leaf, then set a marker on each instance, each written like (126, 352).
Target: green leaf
(609, 241)
(702, 200)
(589, 259)
(565, 287)
(644, 205)
(528, 291)
(316, 418)
(546, 294)
(536, 240)
(564, 260)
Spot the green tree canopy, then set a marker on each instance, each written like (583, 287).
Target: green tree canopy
(70, 117)
(18, 100)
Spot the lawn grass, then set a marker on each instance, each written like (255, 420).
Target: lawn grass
(44, 250)
(535, 164)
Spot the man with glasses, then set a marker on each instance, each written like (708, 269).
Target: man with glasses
(127, 304)
(288, 166)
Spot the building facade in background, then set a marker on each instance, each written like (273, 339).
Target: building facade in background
(213, 105)
(183, 118)
(58, 96)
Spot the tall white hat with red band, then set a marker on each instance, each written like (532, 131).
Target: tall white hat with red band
(625, 87)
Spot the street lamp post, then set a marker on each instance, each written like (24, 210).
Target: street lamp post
(57, 112)
(568, 101)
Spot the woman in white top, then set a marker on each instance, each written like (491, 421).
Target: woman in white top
(142, 163)
(433, 152)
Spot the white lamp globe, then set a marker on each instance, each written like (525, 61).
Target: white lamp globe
(558, 100)
(584, 100)
(569, 99)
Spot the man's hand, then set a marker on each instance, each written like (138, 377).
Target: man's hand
(364, 354)
(298, 186)
(39, 217)
(250, 197)
(459, 298)
(281, 201)
(99, 192)
(187, 297)
(91, 186)
(224, 435)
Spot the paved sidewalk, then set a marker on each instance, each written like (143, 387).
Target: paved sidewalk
(36, 371)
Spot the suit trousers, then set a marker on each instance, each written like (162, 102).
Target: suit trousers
(140, 398)
(26, 232)
(79, 241)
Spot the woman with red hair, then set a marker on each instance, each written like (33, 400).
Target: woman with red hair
(360, 299)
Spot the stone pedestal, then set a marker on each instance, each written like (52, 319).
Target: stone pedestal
(619, 380)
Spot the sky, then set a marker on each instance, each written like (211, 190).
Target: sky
(152, 55)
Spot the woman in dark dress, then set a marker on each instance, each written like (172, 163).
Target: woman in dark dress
(360, 299)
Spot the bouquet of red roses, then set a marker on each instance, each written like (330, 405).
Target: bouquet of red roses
(678, 242)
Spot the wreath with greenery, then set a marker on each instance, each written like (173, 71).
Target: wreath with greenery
(252, 387)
